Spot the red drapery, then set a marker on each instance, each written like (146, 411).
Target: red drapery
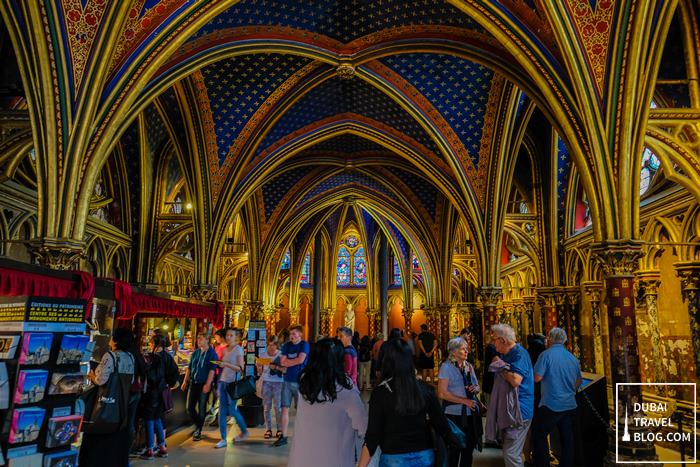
(14, 282)
(129, 303)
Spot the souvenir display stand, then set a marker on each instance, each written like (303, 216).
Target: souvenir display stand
(44, 350)
(255, 345)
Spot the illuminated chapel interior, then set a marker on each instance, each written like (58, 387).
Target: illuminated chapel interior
(381, 164)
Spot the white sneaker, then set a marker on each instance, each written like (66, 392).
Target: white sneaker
(242, 437)
(221, 444)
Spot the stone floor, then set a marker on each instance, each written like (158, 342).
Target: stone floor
(254, 452)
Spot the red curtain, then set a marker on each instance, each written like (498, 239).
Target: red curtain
(14, 282)
(129, 303)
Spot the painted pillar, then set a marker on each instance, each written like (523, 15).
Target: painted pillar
(518, 310)
(407, 313)
(529, 304)
(574, 322)
(444, 326)
(689, 273)
(561, 314)
(489, 301)
(548, 310)
(593, 292)
(384, 284)
(649, 282)
(620, 261)
(317, 270)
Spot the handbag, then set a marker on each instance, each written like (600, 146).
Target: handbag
(241, 388)
(106, 406)
(167, 398)
(477, 414)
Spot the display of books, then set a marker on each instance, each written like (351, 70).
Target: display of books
(36, 348)
(72, 349)
(63, 430)
(31, 386)
(8, 346)
(26, 424)
(61, 459)
(66, 383)
(4, 388)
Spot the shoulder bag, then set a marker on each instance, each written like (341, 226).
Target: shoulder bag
(106, 406)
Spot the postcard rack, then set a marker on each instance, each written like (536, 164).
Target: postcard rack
(43, 353)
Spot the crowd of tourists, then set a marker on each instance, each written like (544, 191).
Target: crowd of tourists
(412, 418)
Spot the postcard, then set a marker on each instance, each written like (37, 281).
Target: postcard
(30, 460)
(8, 346)
(250, 370)
(31, 386)
(61, 459)
(36, 348)
(250, 359)
(251, 346)
(4, 387)
(26, 424)
(72, 349)
(63, 430)
(260, 343)
(66, 383)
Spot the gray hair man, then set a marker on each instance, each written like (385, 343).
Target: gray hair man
(560, 374)
(519, 376)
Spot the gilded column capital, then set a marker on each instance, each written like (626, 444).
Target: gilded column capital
(58, 253)
(490, 296)
(649, 281)
(689, 274)
(560, 298)
(593, 289)
(203, 292)
(254, 309)
(618, 258)
(573, 294)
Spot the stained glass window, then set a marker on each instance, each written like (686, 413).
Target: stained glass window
(286, 260)
(416, 264)
(351, 241)
(343, 268)
(360, 267)
(397, 273)
(306, 270)
(650, 165)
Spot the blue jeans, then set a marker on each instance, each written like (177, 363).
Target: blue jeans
(424, 458)
(156, 424)
(227, 407)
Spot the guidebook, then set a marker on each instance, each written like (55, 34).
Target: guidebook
(36, 348)
(66, 383)
(26, 424)
(61, 459)
(8, 346)
(31, 386)
(72, 349)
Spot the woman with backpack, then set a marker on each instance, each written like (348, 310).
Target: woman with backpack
(153, 402)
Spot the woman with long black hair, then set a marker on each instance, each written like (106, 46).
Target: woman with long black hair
(330, 415)
(397, 413)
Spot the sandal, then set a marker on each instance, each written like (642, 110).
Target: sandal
(268, 434)
(278, 435)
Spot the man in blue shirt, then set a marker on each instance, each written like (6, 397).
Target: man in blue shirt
(199, 376)
(519, 376)
(294, 356)
(560, 374)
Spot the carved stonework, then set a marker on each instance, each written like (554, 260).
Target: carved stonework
(593, 290)
(59, 254)
(294, 316)
(689, 274)
(618, 259)
(254, 310)
(573, 328)
(548, 313)
(529, 305)
(345, 71)
(407, 317)
(203, 292)
(489, 300)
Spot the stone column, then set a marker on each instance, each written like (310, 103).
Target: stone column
(270, 314)
(529, 304)
(649, 281)
(372, 320)
(317, 281)
(489, 301)
(518, 310)
(407, 318)
(593, 292)
(560, 303)
(548, 309)
(294, 316)
(505, 313)
(574, 322)
(689, 273)
(619, 262)
(443, 312)
(383, 265)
